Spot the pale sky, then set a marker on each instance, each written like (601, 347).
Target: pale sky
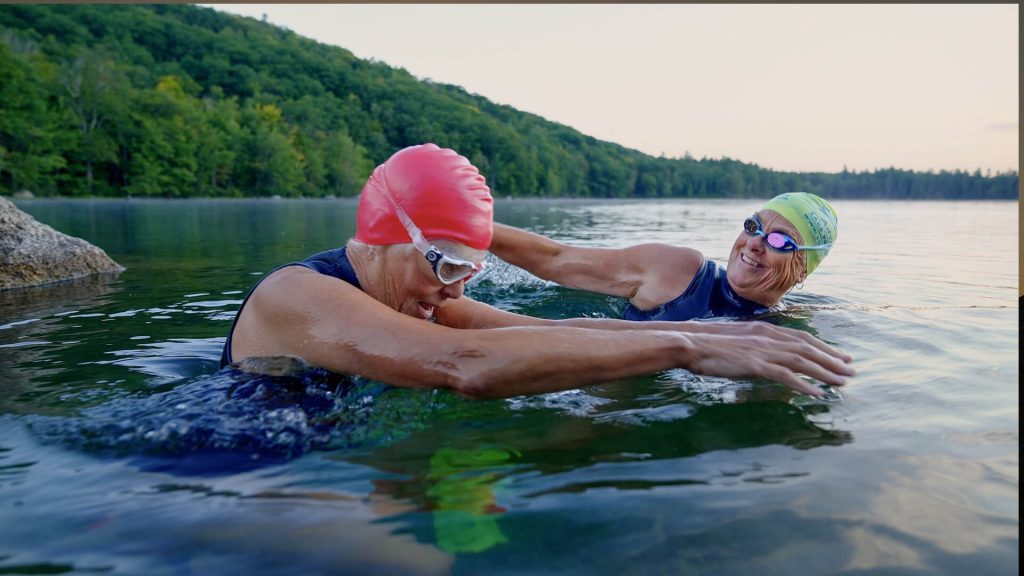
(789, 87)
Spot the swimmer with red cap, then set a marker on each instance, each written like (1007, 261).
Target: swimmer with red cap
(389, 306)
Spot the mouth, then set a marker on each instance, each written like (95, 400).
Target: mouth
(746, 260)
(426, 311)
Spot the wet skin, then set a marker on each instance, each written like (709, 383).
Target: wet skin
(758, 273)
(415, 291)
(479, 351)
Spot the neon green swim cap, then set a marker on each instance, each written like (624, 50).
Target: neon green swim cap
(814, 218)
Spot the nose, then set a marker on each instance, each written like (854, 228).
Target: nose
(454, 290)
(756, 243)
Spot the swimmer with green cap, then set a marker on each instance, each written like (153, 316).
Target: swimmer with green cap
(776, 249)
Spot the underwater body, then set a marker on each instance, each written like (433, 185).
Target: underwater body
(124, 450)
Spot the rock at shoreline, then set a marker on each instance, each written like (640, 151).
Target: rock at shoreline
(32, 253)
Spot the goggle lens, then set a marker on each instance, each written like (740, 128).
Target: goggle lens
(780, 241)
(450, 270)
(751, 226)
(775, 240)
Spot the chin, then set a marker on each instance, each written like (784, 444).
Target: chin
(742, 278)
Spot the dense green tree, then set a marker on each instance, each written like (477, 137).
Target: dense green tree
(167, 125)
(347, 167)
(29, 125)
(269, 164)
(90, 84)
(218, 133)
(179, 100)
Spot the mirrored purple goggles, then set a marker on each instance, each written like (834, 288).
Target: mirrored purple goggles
(778, 241)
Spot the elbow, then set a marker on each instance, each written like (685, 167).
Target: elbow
(473, 372)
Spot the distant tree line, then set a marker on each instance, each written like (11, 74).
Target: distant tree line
(179, 100)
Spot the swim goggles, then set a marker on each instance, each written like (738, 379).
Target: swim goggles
(448, 269)
(777, 241)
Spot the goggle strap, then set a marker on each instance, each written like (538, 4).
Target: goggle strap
(414, 232)
(817, 247)
(420, 242)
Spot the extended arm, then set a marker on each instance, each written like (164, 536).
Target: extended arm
(329, 323)
(334, 325)
(749, 345)
(647, 274)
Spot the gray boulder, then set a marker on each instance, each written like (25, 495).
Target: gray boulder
(32, 253)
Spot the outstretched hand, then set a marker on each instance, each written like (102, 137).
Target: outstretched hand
(757, 349)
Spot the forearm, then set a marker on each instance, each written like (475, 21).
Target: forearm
(503, 362)
(703, 332)
(517, 361)
(529, 251)
(514, 361)
(616, 324)
(611, 271)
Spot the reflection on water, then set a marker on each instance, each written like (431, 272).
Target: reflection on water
(459, 491)
(31, 318)
(111, 403)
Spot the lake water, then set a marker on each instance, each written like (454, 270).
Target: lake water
(121, 453)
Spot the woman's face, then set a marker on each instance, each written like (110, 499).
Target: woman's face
(759, 273)
(420, 293)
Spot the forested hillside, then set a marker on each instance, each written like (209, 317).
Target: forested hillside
(179, 100)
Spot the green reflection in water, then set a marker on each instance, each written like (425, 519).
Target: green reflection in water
(462, 484)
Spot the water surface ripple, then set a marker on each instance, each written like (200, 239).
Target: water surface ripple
(124, 450)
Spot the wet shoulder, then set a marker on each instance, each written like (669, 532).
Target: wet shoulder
(669, 271)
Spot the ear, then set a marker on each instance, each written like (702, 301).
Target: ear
(800, 268)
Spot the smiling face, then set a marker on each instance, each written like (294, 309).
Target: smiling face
(416, 291)
(759, 273)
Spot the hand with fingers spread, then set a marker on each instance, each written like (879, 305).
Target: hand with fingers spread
(779, 354)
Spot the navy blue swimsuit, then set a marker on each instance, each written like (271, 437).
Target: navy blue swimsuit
(708, 295)
(333, 263)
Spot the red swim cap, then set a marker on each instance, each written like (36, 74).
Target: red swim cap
(443, 194)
